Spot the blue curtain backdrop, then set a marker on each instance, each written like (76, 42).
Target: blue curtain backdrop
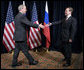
(56, 12)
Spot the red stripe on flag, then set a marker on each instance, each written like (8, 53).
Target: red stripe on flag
(46, 32)
(38, 32)
(32, 43)
(8, 41)
(5, 45)
(10, 28)
(34, 38)
(13, 26)
(37, 35)
(9, 36)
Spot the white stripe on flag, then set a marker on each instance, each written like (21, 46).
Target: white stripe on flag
(9, 38)
(11, 24)
(9, 30)
(33, 39)
(37, 30)
(35, 35)
(6, 43)
(31, 43)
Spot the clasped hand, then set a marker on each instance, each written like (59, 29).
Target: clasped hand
(43, 26)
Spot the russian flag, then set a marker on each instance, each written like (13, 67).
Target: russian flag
(46, 30)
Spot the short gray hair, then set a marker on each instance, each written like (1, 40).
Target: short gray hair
(70, 9)
(21, 7)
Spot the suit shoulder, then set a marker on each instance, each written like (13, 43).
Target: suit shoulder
(18, 16)
(73, 18)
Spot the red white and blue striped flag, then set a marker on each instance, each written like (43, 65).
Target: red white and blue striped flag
(34, 39)
(46, 30)
(9, 29)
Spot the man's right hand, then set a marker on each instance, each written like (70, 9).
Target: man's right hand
(50, 24)
(41, 26)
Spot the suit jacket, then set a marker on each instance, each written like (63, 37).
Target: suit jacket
(68, 28)
(20, 27)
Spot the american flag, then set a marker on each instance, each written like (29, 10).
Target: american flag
(9, 29)
(46, 30)
(34, 39)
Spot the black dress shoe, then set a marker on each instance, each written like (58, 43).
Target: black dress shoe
(33, 63)
(66, 65)
(18, 64)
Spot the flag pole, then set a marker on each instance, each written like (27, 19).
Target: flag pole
(23, 2)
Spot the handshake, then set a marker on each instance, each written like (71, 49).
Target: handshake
(43, 26)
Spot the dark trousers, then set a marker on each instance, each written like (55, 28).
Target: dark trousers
(66, 51)
(21, 46)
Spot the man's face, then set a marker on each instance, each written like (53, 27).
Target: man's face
(24, 9)
(67, 12)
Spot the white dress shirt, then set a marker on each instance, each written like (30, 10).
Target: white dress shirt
(68, 16)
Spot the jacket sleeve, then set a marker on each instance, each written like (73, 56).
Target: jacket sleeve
(24, 20)
(73, 28)
(57, 22)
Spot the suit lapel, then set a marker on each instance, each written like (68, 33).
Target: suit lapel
(68, 19)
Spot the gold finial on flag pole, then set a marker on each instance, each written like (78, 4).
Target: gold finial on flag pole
(47, 50)
(12, 52)
(36, 50)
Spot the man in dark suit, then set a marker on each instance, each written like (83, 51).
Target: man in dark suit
(67, 34)
(20, 36)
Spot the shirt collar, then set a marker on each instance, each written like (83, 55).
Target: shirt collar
(68, 16)
(23, 14)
